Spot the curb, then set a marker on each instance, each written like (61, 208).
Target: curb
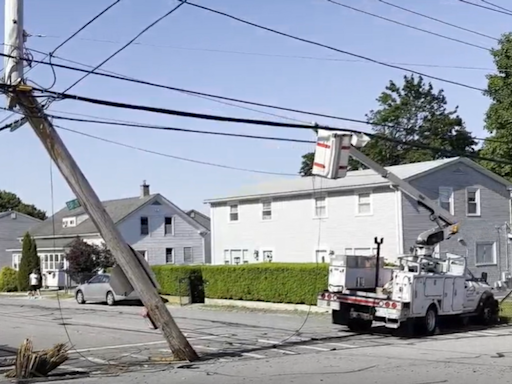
(265, 305)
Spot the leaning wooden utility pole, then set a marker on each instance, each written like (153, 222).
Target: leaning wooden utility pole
(125, 257)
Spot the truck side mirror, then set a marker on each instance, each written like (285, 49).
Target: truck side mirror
(484, 276)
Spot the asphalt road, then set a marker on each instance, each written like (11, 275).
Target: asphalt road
(247, 347)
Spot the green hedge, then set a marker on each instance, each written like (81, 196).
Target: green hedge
(8, 280)
(174, 279)
(270, 282)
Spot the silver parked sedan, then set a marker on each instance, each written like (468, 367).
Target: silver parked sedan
(98, 289)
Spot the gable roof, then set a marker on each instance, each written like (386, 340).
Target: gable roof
(201, 218)
(8, 213)
(353, 180)
(118, 210)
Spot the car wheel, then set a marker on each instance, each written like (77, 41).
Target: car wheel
(110, 298)
(80, 297)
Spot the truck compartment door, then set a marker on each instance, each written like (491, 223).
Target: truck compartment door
(448, 295)
(418, 298)
(459, 294)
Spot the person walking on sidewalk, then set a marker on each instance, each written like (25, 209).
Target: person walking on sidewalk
(34, 280)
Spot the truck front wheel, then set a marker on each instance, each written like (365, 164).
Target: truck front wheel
(488, 311)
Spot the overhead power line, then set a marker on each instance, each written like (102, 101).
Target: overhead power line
(409, 26)
(126, 45)
(175, 157)
(270, 55)
(439, 20)
(251, 121)
(333, 48)
(485, 7)
(497, 6)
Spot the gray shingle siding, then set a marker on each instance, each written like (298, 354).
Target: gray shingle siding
(10, 231)
(495, 211)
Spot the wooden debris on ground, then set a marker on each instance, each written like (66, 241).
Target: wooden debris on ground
(30, 363)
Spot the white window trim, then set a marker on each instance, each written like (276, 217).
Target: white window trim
(321, 248)
(17, 257)
(495, 261)
(173, 254)
(53, 263)
(262, 202)
(320, 196)
(452, 200)
(229, 211)
(478, 202)
(262, 259)
(173, 223)
(371, 203)
(231, 259)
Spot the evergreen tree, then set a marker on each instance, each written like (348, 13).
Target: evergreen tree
(29, 261)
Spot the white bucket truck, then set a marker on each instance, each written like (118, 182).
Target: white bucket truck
(423, 288)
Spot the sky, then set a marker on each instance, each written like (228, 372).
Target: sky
(202, 51)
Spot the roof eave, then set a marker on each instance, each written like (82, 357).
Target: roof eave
(297, 193)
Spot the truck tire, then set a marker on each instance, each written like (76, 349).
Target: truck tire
(428, 324)
(488, 310)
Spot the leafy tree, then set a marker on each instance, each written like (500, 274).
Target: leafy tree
(498, 119)
(29, 261)
(85, 260)
(10, 201)
(412, 112)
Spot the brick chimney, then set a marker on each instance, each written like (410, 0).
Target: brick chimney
(144, 190)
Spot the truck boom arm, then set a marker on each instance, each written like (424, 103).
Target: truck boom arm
(333, 149)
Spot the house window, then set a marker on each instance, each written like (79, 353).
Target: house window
(16, 261)
(485, 253)
(320, 206)
(446, 198)
(473, 201)
(144, 225)
(268, 256)
(169, 255)
(233, 212)
(236, 256)
(68, 222)
(364, 204)
(53, 261)
(169, 226)
(187, 255)
(266, 210)
(321, 256)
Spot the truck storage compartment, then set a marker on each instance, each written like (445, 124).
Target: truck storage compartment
(356, 272)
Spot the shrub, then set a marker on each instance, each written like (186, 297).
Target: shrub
(174, 280)
(270, 282)
(29, 261)
(8, 280)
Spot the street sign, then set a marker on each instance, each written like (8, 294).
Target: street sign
(73, 204)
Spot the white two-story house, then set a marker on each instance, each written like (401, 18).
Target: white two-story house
(151, 224)
(308, 219)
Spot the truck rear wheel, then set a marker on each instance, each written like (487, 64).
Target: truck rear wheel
(428, 324)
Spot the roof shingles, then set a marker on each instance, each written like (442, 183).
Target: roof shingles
(116, 209)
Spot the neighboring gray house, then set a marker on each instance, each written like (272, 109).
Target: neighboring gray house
(307, 219)
(151, 224)
(13, 225)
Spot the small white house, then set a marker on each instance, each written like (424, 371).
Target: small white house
(307, 219)
(151, 224)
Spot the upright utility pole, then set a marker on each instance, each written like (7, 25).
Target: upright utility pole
(13, 44)
(125, 257)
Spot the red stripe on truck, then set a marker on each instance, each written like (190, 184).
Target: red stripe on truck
(323, 145)
(318, 165)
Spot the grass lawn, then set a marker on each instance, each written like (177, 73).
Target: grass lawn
(506, 310)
